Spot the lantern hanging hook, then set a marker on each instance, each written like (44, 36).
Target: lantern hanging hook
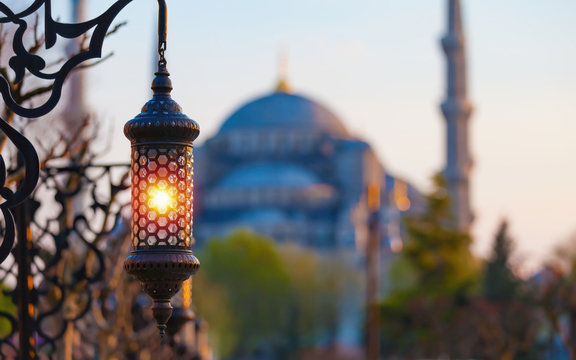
(162, 35)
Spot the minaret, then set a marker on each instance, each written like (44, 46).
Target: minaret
(457, 111)
(76, 106)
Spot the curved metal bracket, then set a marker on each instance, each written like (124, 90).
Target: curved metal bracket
(21, 63)
(23, 60)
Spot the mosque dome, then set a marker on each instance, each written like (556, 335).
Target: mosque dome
(282, 110)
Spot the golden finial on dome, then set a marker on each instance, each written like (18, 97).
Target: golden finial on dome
(283, 85)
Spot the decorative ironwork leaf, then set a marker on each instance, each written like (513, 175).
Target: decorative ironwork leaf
(24, 61)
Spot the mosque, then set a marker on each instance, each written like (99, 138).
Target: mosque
(285, 166)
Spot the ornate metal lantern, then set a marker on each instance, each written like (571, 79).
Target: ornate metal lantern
(162, 171)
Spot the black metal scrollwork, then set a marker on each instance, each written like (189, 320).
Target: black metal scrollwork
(65, 236)
(25, 188)
(22, 62)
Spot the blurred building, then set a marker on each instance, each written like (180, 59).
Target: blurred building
(286, 166)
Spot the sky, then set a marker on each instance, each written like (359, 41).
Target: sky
(378, 65)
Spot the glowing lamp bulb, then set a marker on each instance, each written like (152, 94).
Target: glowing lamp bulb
(160, 200)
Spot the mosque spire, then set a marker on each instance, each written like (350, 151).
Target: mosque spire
(457, 111)
(283, 85)
(78, 13)
(76, 104)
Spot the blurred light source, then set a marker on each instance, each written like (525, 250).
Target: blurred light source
(401, 196)
(374, 196)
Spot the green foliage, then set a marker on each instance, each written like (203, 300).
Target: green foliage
(437, 307)
(320, 284)
(244, 274)
(261, 297)
(507, 317)
(436, 259)
(499, 281)
(6, 306)
(431, 280)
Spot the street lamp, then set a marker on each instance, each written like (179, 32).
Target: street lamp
(162, 170)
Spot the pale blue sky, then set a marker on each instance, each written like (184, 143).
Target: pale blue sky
(378, 65)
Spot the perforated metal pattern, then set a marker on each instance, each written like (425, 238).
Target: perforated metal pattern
(161, 197)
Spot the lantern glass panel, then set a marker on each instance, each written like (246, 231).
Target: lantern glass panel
(162, 210)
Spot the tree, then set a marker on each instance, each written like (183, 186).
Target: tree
(557, 296)
(322, 285)
(499, 281)
(269, 301)
(432, 280)
(244, 278)
(436, 258)
(505, 314)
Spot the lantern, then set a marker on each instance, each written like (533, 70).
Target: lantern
(162, 169)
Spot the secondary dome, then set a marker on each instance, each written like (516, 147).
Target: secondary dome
(283, 111)
(261, 176)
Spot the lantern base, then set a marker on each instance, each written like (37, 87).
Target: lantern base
(161, 273)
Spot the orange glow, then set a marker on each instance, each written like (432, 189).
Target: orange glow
(401, 196)
(374, 197)
(404, 204)
(161, 200)
(187, 293)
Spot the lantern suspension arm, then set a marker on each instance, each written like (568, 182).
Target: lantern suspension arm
(162, 34)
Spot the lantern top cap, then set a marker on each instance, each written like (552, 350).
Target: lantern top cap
(162, 85)
(161, 119)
